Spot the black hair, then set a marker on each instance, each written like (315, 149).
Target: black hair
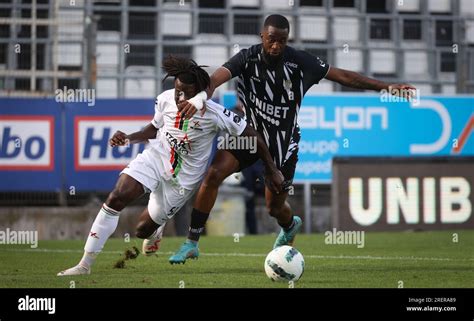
(277, 21)
(187, 71)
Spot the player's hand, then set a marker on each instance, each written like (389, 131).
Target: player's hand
(188, 110)
(402, 90)
(119, 139)
(274, 180)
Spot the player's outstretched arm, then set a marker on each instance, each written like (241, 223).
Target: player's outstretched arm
(273, 177)
(355, 80)
(122, 139)
(189, 107)
(218, 77)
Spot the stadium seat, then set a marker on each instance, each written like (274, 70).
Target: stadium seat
(77, 3)
(107, 52)
(313, 28)
(245, 3)
(346, 29)
(70, 25)
(439, 5)
(69, 54)
(382, 61)
(470, 31)
(209, 50)
(70, 28)
(351, 60)
(408, 6)
(107, 88)
(142, 85)
(416, 64)
(467, 8)
(275, 4)
(210, 55)
(176, 23)
(140, 88)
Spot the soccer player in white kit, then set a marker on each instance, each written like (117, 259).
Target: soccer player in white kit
(173, 165)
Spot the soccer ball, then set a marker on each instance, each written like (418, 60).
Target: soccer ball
(285, 263)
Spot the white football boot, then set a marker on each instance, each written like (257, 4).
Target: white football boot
(75, 270)
(151, 246)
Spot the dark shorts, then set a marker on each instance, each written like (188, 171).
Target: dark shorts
(247, 159)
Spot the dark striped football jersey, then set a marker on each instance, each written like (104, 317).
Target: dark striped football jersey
(272, 95)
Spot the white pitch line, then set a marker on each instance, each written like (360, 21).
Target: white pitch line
(342, 257)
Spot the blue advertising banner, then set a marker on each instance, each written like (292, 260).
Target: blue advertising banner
(49, 146)
(369, 125)
(30, 145)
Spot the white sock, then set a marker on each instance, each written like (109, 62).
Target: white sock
(88, 259)
(104, 225)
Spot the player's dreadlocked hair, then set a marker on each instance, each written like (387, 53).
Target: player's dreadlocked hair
(187, 71)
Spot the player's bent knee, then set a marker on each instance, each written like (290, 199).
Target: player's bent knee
(116, 200)
(275, 211)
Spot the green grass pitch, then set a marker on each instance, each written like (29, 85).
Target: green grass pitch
(417, 259)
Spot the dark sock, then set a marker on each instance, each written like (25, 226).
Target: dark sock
(289, 225)
(198, 221)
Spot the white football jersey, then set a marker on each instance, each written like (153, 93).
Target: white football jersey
(184, 146)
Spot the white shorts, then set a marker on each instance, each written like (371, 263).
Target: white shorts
(167, 196)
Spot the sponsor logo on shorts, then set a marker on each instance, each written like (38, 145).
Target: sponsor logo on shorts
(172, 211)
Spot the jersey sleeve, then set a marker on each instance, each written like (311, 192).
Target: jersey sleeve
(236, 64)
(229, 121)
(315, 67)
(158, 120)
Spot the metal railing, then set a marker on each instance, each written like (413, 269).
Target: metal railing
(79, 31)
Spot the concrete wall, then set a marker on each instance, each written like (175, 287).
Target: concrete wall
(66, 223)
(62, 223)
